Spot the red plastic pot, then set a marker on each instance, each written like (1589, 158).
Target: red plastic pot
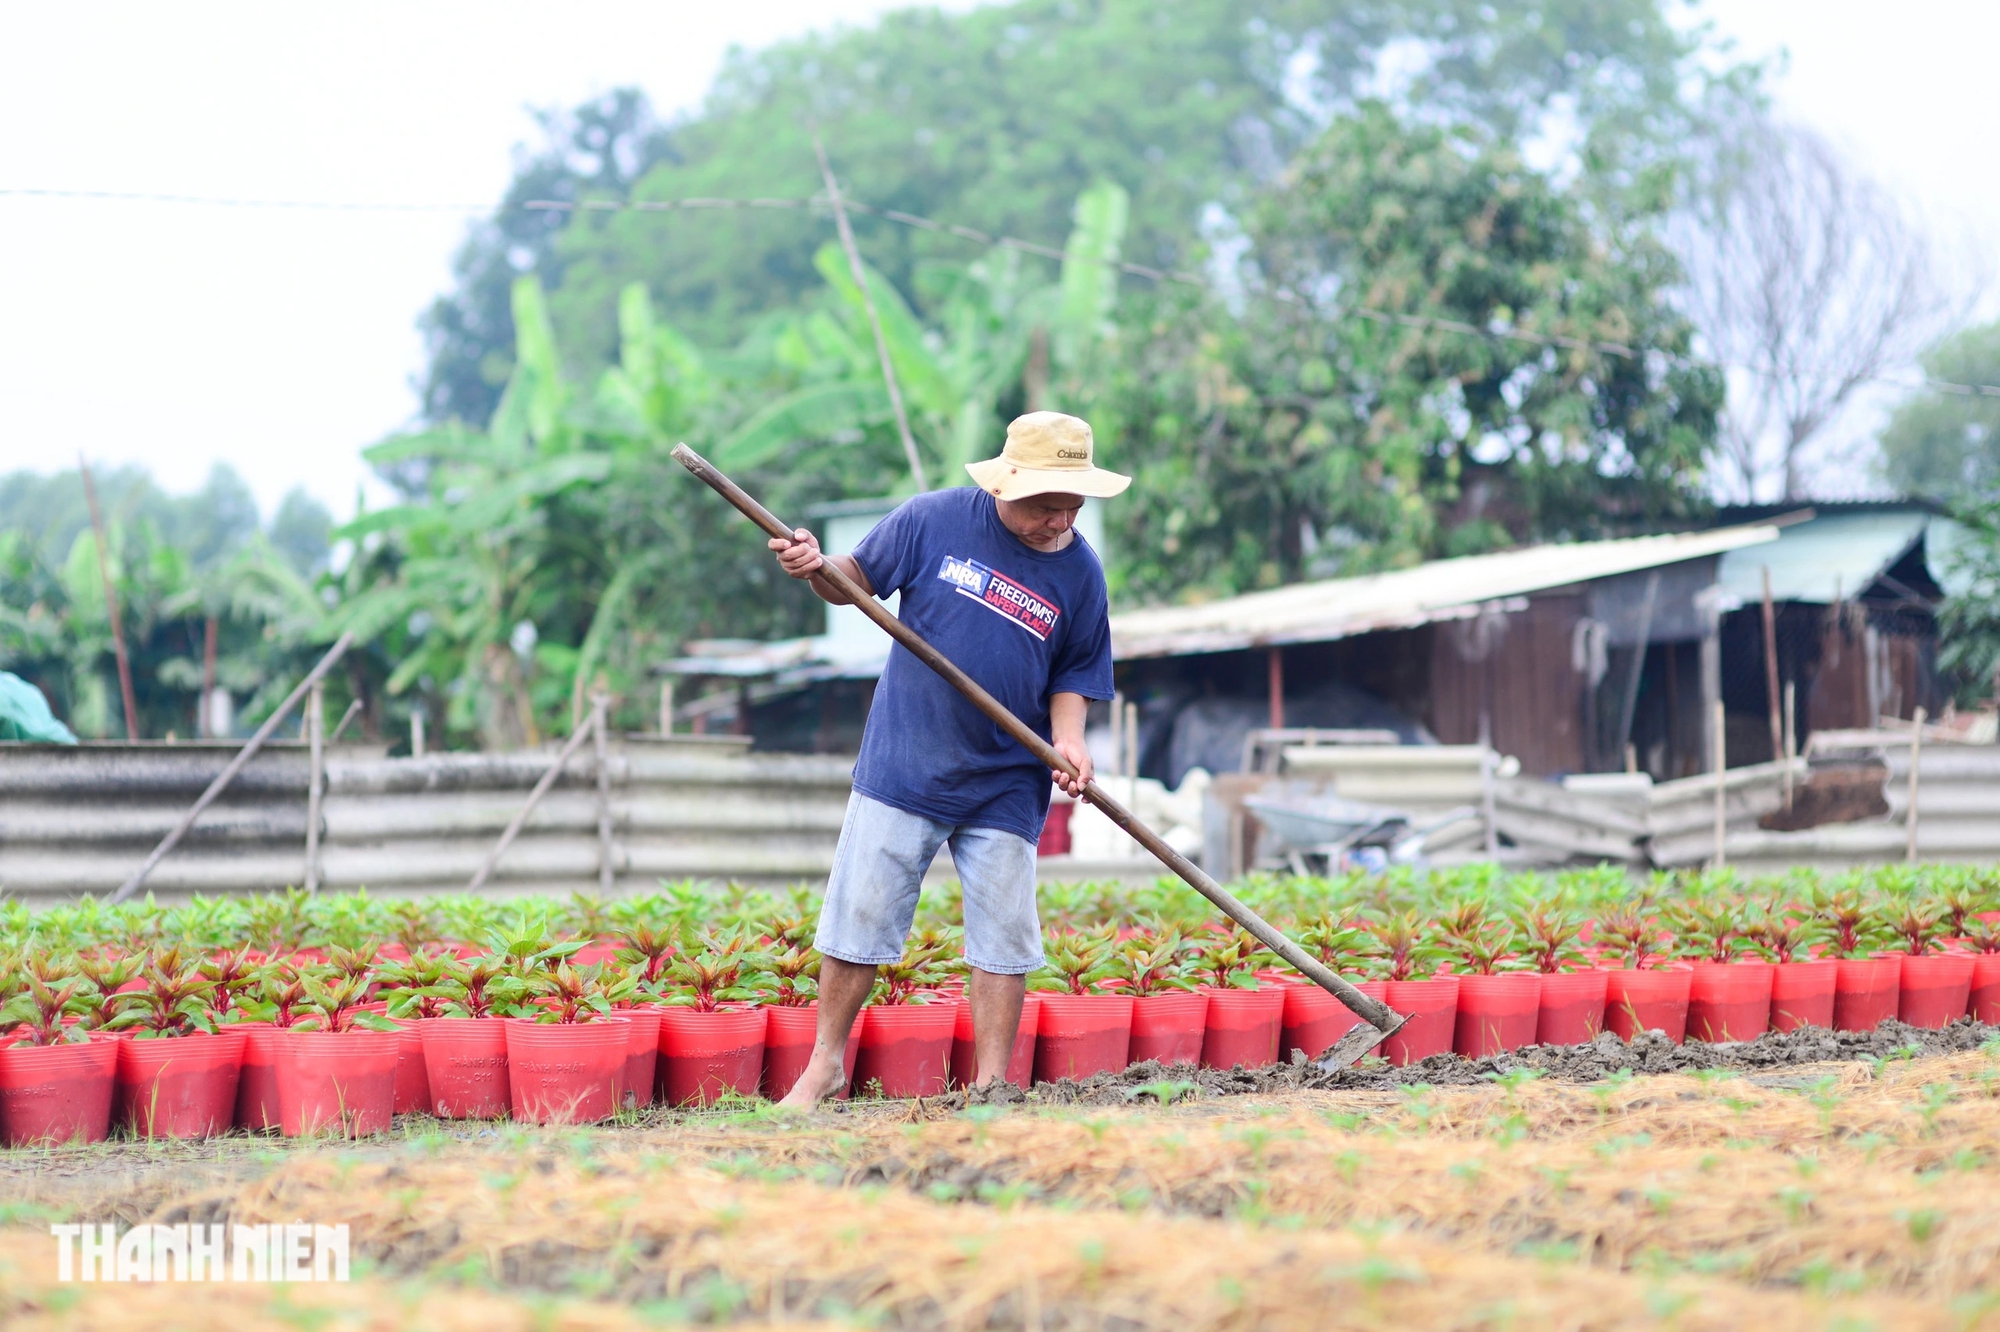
(566, 1072)
(1082, 1034)
(1866, 992)
(257, 1083)
(642, 1053)
(788, 1045)
(178, 1086)
(1054, 840)
(1802, 994)
(1242, 1026)
(1729, 1001)
(703, 1055)
(1644, 999)
(413, 1083)
(465, 1066)
(1432, 1006)
(1497, 1012)
(1572, 1008)
(53, 1094)
(337, 1081)
(1310, 1019)
(1984, 1003)
(906, 1048)
(1169, 1027)
(1936, 988)
(1020, 1063)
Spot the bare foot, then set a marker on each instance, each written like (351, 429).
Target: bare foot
(818, 1082)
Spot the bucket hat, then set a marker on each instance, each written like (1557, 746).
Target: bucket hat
(1047, 453)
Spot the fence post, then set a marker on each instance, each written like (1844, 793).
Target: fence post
(598, 708)
(1486, 801)
(316, 778)
(1721, 786)
(1916, 753)
(1791, 737)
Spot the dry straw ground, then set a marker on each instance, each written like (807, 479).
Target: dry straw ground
(1836, 1195)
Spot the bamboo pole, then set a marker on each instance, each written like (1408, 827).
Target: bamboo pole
(1274, 670)
(1721, 786)
(1377, 1015)
(125, 694)
(1117, 729)
(541, 788)
(211, 629)
(1487, 798)
(1132, 753)
(860, 276)
(228, 774)
(1916, 754)
(599, 706)
(353, 707)
(1771, 700)
(315, 778)
(1791, 737)
(1629, 704)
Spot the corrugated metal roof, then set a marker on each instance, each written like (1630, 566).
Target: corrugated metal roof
(1441, 590)
(790, 660)
(1833, 555)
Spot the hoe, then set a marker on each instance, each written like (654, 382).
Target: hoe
(1378, 1020)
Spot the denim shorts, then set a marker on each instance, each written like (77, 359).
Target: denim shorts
(878, 870)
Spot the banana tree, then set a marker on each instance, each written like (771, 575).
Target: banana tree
(995, 327)
(527, 565)
(458, 568)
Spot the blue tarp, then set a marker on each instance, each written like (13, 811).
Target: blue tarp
(25, 715)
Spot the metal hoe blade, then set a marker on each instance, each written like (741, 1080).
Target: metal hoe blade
(1359, 1040)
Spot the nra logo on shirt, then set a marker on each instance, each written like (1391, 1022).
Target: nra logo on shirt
(998, 592)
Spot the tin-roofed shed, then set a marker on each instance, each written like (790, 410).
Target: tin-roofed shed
(1564, 654)
(1854, 591)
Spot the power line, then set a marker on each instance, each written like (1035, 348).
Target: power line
(213, 201)
(972, 234)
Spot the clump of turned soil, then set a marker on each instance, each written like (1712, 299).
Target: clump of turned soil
(1608, 1055)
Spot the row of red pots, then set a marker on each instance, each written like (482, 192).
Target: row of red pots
(1718, 1001)
(258, 1077)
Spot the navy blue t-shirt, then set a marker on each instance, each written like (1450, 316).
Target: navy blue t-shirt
(1022, 622)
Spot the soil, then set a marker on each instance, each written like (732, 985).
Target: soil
(1608, 1055)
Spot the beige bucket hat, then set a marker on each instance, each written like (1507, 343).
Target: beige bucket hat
(1047, 453)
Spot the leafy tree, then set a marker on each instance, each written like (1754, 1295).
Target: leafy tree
(595, 150)
(1948, 444)
(561, 548)
(173, 562)
(1307, 437)
(1969, 619)
(1004, 341)
(998, 118)
(302, 530)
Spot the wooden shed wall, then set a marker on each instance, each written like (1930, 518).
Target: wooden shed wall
(1534, 692)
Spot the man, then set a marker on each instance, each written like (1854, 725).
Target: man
(998, 580)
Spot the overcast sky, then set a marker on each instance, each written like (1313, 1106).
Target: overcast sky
(284, 341)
